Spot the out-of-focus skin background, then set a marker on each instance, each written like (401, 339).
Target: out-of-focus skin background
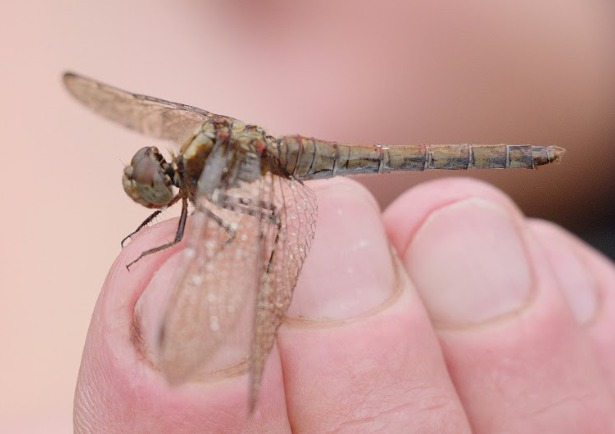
(528, 71)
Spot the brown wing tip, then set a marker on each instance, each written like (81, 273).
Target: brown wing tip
(72, 82)
(69, 77)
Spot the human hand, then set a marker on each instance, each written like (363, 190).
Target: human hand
(488, 322)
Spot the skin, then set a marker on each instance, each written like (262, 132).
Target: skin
(385, 342)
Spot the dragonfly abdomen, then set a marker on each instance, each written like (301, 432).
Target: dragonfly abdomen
(307, 158)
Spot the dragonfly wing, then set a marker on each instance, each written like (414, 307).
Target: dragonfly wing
(211, 310)
(285, 249)
(242, 263)
(148, 115)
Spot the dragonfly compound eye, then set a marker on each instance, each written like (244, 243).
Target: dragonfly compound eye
(146, 180)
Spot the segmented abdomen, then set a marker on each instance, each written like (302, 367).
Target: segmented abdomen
(308, 158)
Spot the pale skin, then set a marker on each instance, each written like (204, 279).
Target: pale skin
(424, 350)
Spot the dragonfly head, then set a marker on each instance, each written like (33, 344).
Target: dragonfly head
(148, 178)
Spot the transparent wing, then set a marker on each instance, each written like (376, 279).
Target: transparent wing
(242, 263)
(216, 288)
(209, 318)
(145, 114)
(287, 247)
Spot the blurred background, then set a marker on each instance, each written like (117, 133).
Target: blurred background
(354, 71)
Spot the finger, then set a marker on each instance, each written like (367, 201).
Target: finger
(358, 351)
(518, 358)
(587, 280)
(119, 388)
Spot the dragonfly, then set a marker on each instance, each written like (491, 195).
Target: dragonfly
(253, 218)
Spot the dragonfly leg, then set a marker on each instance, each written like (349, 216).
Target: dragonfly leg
(229, 228)
(148, 220)
(260, 209)
(263, 210)
(179, 234)
(278, 224)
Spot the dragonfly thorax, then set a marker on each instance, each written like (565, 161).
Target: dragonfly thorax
(221, 153)
(148, 180)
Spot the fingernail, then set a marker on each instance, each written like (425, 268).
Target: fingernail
(349, 270)
(468, 263)
(183, 358)
(575, 280)
(578, 287)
